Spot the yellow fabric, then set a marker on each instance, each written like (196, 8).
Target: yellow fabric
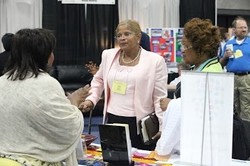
(8, 162)
(213, 68)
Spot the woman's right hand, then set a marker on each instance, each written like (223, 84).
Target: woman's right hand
(86, 106)
(156, 156)
(161, 157)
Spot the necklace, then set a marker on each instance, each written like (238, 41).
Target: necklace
(133, 60)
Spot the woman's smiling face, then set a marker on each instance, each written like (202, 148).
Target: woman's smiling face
(126, 39)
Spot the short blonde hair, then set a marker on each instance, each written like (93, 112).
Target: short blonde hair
(132, 25)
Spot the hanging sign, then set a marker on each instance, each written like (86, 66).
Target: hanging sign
(103, 2)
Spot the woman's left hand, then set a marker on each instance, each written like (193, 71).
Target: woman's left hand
(164, 103)
(79, 95)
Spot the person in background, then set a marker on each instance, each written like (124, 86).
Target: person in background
(39, 125)
(7, 41)
(236, 58)
(199, 48)
(145, 41)
(180, 66)
(224, 38)
(133, 79)
(92, 67)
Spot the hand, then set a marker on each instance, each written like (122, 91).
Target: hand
(228, 53)
(157, 135)
(79, 95)
(161, 157)
(164, 103)
(92, 67)
(154, 155)
(86, 106)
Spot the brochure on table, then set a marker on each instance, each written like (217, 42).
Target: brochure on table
(207, 118)
(115, 143)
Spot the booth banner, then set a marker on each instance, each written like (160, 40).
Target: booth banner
(166, 42)
(103, 2)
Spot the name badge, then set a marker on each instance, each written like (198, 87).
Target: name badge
(238, 54)
(119, 87)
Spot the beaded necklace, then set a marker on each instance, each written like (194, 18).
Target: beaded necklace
(133, 60)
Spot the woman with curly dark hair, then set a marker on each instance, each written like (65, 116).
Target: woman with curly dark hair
(200, 45)
(199, 48)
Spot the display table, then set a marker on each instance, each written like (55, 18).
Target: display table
(94, 154)
(94, 158)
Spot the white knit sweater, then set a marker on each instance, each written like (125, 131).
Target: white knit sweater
(37, 120)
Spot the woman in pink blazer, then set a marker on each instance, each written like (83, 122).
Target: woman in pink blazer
(133, 79)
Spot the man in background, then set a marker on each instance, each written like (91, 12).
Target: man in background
(236, 58)
(180, 66)
(7, 42)
(224, 38)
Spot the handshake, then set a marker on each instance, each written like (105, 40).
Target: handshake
(78, 97)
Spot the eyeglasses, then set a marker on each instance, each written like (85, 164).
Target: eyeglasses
(243, 27)
(125, 35)
(184, 48)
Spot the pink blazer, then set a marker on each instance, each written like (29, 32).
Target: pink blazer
(150, 87)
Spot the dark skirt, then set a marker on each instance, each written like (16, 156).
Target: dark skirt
(136, 140)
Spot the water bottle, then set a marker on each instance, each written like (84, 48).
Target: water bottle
(81, 149)
(84, 147)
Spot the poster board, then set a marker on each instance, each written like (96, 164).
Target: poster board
(207, 118)
(167, 43)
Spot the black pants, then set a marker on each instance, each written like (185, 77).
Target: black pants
(136, 140)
